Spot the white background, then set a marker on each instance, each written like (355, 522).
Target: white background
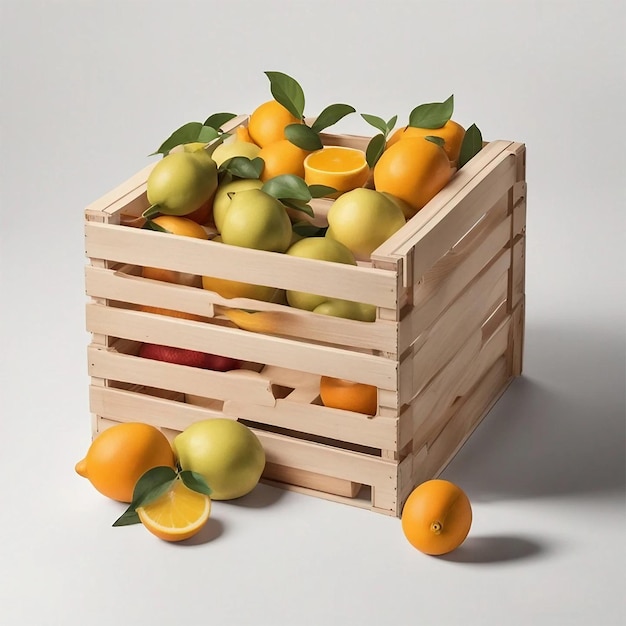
(89, 89)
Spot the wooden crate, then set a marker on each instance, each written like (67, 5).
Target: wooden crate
(446, 342)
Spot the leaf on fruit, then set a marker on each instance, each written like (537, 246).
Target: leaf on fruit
(432, 114)
(287, 186)
(331, 115)
(187, 133)
(321, 191)
(206, 134)
(437, 140)
(243, 167)
(375, 149)
(303, 136)
(471, 146)
(218, 119)
(151, 211)
(288, 92)
(377, 122)
(298, 205)
(391, 124)
(150, 486)
(195, 482)
(306, 229)
(151, 225)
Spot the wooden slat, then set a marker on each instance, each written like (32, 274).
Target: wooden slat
(254, 347)
(447, 278)
(323, 459)
(111, 365)
(440, 343)
(432, 241)
(311, 480)
(128, 406)
(376, 432)
(195, 256)
(432, 459)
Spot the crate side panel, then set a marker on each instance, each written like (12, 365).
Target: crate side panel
(243, 345)
(207, 258)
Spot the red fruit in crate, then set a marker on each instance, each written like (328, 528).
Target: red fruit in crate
(191, 358)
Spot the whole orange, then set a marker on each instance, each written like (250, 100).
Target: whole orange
(175, 225)
(267, 123)
(451, 132)
(282, 157)
(437, 517)
(414, 170)
(120, 455)
(339, 393)
(171, 313)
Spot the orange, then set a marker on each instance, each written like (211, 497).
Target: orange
(282, 157)
(177, 226)
(437, 517)
(339, 393)
(235, 289)
(171, 313)
(451, 132)
(267, 123)
(178, 514)
(120, 455)
(242, 134)
(339, 167)
(414, 170)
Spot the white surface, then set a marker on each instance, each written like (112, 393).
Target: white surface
(89, 89)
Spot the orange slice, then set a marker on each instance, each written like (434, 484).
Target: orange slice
(177, 515)
(339, 167)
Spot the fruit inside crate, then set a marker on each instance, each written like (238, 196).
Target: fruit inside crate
(446, 341)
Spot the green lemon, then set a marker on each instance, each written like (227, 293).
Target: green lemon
(225, 192)
(362, 219)
(182, 182)
(324, 249)
(256, 220)
(227, 453)
(347, 309)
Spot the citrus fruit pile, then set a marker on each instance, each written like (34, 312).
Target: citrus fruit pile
(169, 487)
(251, 187)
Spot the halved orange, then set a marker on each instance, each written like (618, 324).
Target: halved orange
(339, 167)
(178, 514)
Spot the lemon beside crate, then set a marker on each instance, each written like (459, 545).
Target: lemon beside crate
(448, 288)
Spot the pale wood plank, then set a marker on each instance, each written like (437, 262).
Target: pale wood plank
(311, 480)
(195, 256)
(221, 385)
(254, 347)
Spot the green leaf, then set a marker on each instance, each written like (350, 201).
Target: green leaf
(287, 186)
(331, 115)
(150, 225)
(298, 205)
(375, 149)
(377, 122)
(187, 133)
(438, 140)
(243, 167)
(195, 482)
(150, 486)
(288, 92)
(218, 119)
(433, 114)
(391, 123)
(471, 146)
(128, 517)
(151, 211)
(303, 136)
(154, 483)
(321, 191)
(206, 134)
(306, 229)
